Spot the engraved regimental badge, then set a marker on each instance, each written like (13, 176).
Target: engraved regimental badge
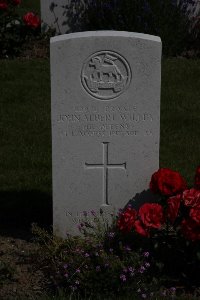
(105, 75)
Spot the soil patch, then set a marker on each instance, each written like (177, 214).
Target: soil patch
(20, 277)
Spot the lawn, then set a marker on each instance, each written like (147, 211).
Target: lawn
(25, 176)
(180, 116)
(25, 128)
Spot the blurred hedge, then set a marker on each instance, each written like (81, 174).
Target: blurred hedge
(157, 17)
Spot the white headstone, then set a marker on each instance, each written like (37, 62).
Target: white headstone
(105, 121)
(54, 18)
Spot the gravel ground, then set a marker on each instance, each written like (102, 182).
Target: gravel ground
(20, 277)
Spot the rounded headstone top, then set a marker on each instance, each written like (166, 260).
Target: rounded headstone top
(105, 33)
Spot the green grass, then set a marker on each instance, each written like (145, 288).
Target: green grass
(25, 125)
(180, 116)
(25, 130)
(25, 164)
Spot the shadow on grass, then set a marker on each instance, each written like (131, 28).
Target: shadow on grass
(19, 209)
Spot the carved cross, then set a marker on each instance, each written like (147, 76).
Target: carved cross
(105, 166)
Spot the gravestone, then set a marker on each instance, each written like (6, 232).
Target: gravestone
(105, 89)
(53, 15)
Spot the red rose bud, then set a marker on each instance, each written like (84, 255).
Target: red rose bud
(167, 182)
(16, 2)
(197, 178)
(191, 197)
(3, 5)
(173, 204)
(151, 215)
(127, 219)
(31, 20)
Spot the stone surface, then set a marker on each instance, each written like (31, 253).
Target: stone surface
(56, 18)
(105, 121)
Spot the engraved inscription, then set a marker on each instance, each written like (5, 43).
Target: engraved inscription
(112, 120)
(105, 75)
(105, 166)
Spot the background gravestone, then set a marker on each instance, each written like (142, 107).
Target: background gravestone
(105, 121)
(54, 18)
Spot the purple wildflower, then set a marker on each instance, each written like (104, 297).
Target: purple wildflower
(65, 266)
(123, 277)
(127, 248)
(142, 269)
(144, 296)
(111, 234)
(78, 250)
(146, 254)
(87, 255)
(131, 269)
(73, 288)
(164, 293)
(172, 289)
(66, 275)
(147, 265)
(78, 271)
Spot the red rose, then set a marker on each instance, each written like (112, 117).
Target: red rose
(16, 2)
(127, 219)
(151, 215)
(195, 214)
(191, 197)
(190, 229)
(197, 178)
(167, 182)
(31, 20)
(173, 204)
(140, 228)
(3, 5)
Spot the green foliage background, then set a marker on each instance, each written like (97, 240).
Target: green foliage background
(154, 17)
